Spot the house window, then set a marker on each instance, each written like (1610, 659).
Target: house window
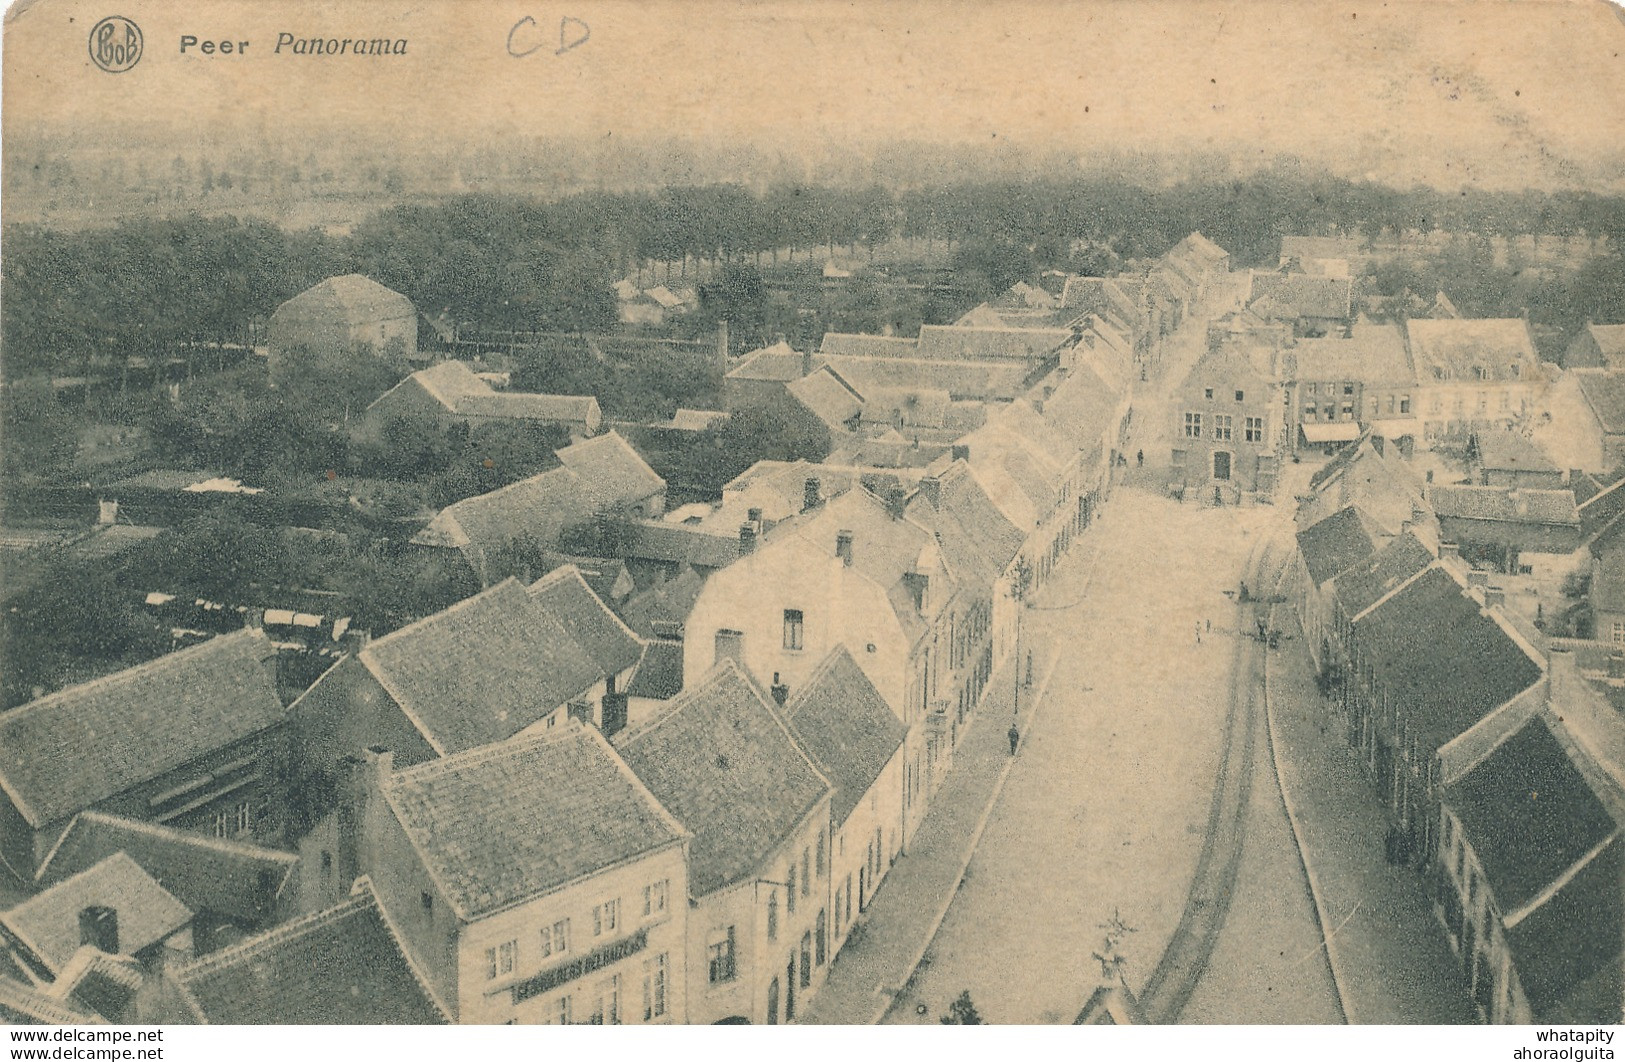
(806, 960)
(1222, 427)
(222, 823)
(499, 960)
(1348, 410)
(818, 938)
(1312, 388)
(654, 899)
(556, 938)
(654, 987)
(792, 628)
(1348, 390)
(821, 861)
(1616, 632)
(243, 817)
(790, 892)
(1404, 403)
(1193, 425)
(606, 1008)
(1516, 370)
(561, 1016)
(1309, 412)
(1255, 429)
(1328, 412)
(327, 863)
(1480, 373)
(720, 957)
(806, 871)
(605, 917)
(1390, 405)
(773, 915)
(773, 1002)
(1207, 393)
(1241, 396)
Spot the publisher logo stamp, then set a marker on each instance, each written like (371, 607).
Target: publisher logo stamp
(115, 44)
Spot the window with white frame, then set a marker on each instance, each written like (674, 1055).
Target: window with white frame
(1241, 396)
(1311, 412)
(606, 1005)
(654, 987)
(561, 1011)
(1193, 425)
(793, 628)
(556, 938)
(243, 816)
(719, 956)
(1616, 632)
(1223, 427)
(1207, 393)
(654, 899)
(222, 823)
(1404, 403)
(773, 915)
(500, 959)
(1255, 429)
(606, 917)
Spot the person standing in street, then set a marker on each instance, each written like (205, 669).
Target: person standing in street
(1015, 738)
(1139, 458)
(1198, 632)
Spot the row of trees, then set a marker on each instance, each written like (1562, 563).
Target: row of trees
(503, 262)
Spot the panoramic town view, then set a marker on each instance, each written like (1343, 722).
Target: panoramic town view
(540, 581)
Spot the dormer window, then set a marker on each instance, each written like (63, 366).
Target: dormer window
(1207, 393)
(1480, 373)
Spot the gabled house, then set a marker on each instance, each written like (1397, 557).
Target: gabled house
(1531, 884)
(534, 881)
(1512, 459)
(1325, 550)
(193, 740)
(1580, 420)
(340, 315)
(1474, 374)
(1505, 522)
(853, 737)
(564, 595)
(343, 965)
(728, 767)
(1314, 305)
(1339, 385)
(1371, 474)
(231, 888)
(450, 392)
(1226, 427)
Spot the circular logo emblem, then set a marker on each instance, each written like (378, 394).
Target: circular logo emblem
(115, 44)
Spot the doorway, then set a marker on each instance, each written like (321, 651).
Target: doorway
(1221, 464)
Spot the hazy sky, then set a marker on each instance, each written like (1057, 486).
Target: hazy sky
(1443, 91)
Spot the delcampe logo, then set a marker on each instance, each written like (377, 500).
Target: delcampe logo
(115, 44)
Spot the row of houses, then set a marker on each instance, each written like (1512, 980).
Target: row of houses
(1497, 753)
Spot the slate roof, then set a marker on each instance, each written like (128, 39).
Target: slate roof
(345, 300)
(1573, 941)
(660, 671)
(610, 471)
(1294, 295)
(48, 923)
(961, 379)
(1456, 348)
(228, 878)
(1365, 583)
(828, 397)
(500, 825)
(1375, 355)
(339, 966)
(846, 727)
(1466, 667)
(1201, 249)
(780, 363)
(1529, 815)
(1520, 505)
(1610, 340)
(948, 343)
(1511, 451)
(657, 540)
(1605, 391)
(65, 752)
(22, 1004)
(868, 346)
(727, 766)
(564, 595)
(664, 604)
(482, 670)
(1337, 543)
(976, 540)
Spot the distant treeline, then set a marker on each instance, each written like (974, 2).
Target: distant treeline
(507, 262)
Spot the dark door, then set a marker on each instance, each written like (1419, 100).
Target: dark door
(1221, 464)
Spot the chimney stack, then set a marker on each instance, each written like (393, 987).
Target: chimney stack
(98, 928)
(730, 645)
(1477, 578)
(919, 587)
(747, 538)
(961, 453)
(754, 515)
(781, 692)
(931, 487)
(843, 547)
(1449, 549)
(810, 494)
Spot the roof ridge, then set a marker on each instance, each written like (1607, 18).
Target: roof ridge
(507, 747)
(169, 833)
(1539, 900)
(289, 930)
(435, 616)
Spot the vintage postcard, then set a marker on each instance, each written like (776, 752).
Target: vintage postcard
(1030, 513)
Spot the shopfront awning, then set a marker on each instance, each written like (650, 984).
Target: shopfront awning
(1336, 431)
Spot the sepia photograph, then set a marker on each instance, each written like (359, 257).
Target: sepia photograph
(800, 512)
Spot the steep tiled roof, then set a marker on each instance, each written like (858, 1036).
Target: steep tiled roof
(664, 604)
(611, 473)
(948, 343)
(1294, 295)
(554, 409)
(846, 727)
(340, 966)
(1201, 249)
(961, 379)
(1510, 451)
(500, 825)
(482, 670)
(660, 671)
(1605, 391)
(977, 541)
(204, 873)
(780, 362)
(1569, 946)
(1465, 667)
(676, 544)
(1367, 582)
(48, 924)
(827, 397)
(1505, 504)
(1610, 340)
(1375, 355)
(1528, 814)
(729, 769)
(1336, 544)
(347, 299)
(81, 745)
(22, 1004)
(1457, 349)
(867, 346)
(564, 595)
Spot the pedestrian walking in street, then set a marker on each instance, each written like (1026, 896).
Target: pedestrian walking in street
(1209, 624)
(1198, 634)
(1139, 458)
(1015, 738)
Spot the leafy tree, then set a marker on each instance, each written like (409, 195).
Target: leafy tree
(962, 1012)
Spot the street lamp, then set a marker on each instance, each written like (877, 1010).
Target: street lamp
(1020, 583)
